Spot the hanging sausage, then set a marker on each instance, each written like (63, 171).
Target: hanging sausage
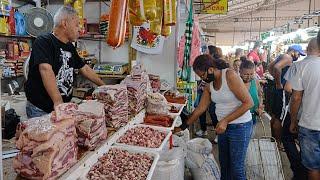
(117, 23)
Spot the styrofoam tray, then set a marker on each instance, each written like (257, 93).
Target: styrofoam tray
(162, 129)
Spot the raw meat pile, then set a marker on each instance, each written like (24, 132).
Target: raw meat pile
(174, 98)
(47, 148)
(136, 94)
(115, 99)
(173, 109)
(158, 120)
(157, 104)
(155, 82)
(89, 120)
(120, 164)
(143, 136)
(90, 124)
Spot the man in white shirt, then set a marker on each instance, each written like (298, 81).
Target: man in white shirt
(305, 82)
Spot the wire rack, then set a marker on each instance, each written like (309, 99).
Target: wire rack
(263, 161)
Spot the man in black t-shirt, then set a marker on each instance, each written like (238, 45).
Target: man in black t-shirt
(52, 64)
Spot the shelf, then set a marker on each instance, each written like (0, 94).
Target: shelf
(112, 76)
(93, 38)
(98, 38)
(16, 36)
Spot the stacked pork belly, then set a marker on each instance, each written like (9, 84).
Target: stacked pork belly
(90, 124)
(115, 100)
(47, 148)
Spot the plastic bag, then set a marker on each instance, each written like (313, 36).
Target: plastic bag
(150, 9)
(136, 13)
(165, 30)
(157, 104)
(169, 12)
(156, 24)
(170, 165)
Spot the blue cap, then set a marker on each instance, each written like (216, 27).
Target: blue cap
(297, 48)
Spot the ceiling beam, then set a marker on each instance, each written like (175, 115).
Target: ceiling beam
(254, 19)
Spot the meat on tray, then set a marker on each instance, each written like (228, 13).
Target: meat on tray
(47, 148)
(120, 164)
(143, 137)
(174, 98)
(90, 124)
(115, 99)
(158, 120)
(174, 109)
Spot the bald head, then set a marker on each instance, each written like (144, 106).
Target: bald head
(313, 48)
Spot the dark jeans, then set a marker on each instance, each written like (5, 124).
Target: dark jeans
(203, 117)
(233, 145)
(34, 111)
(288, 140)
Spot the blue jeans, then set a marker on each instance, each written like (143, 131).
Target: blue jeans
(233, 145)
(34, 111)
(203, 117)
(293, 154)
(310, 148)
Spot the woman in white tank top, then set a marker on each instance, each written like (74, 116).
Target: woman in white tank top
(233, 103)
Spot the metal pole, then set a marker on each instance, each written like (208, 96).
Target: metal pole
(234, 33)
(100, 43)
(260, 29)
(250, 27)
(176, 35)
(309, 12)
(275, 14)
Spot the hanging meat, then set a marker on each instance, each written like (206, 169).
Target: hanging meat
(117, 24)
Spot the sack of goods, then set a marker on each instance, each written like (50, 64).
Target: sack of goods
(155, 82)
(170, 165)
(136, 94)
(90, 124)
(115, 99)
(200, 160)
(157, 104)
(47, 148)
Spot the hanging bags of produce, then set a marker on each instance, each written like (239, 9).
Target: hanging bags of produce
(150, 9)
(169, 12)
(156, 24)
(117, 23)
(136, 12)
